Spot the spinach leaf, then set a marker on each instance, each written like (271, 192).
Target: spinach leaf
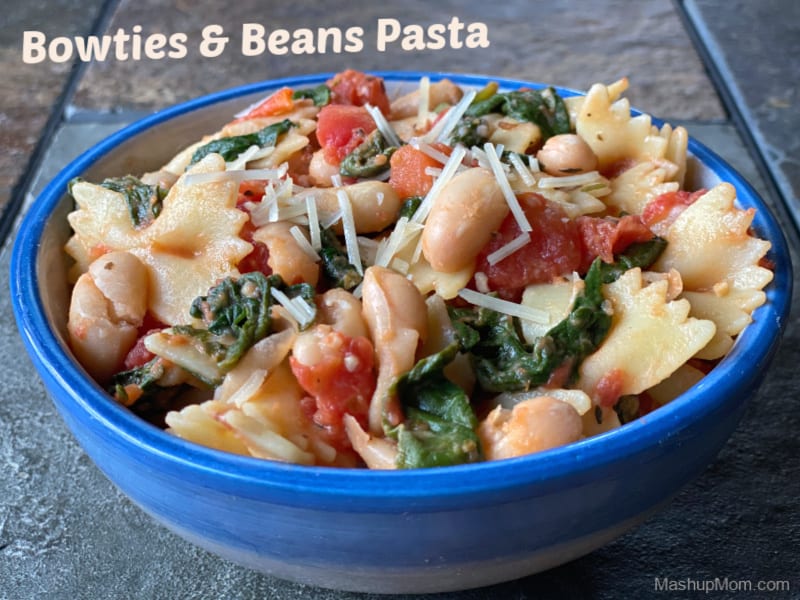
(144, 201)
(231, 147)
(409, 207)
(336, 268)
(321, 94)
(369, 159)
(470, 131)
(640, 254)
(236, 309)
(501, 360)
(545, 108)
(439, 428)
(144, 377)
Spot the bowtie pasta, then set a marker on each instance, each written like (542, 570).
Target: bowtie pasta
(341, 278)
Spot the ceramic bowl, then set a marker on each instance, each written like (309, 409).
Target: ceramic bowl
(430, 530)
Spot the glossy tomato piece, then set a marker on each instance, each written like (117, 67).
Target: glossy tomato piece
(357, 88)
(340, 129)
(554, 248)
(605, 237)
(341, 381)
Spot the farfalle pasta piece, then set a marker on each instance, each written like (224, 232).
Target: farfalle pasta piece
(634, 188)
(649, 336)
(193, 243)
(614, 135)
(710, 245)
(730, 309)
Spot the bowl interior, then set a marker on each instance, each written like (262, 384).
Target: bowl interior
(40, 293)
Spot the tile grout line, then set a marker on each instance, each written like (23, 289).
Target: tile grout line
(716, 66)
(12, 210)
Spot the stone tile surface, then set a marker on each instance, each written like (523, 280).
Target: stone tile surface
(29, 91)
(756, 49)
(563, 42)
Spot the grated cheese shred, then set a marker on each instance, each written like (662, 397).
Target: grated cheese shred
(508, 249)
(383, 125)
(504, 306)
(450, 168)
(349, 226)
(505, 186)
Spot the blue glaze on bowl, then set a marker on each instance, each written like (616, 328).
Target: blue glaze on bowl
(406, 531)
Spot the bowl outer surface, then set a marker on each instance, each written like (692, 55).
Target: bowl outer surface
(288, 515)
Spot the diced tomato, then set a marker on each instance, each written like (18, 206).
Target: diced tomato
(340, 129)
(138, 355)
(609, 388)
(664, 209)
(357, 89)
(341, 382)
(554, 248)
(279, 103)
(258, 259)
(605, 237)
(617, 168)
(408, 176)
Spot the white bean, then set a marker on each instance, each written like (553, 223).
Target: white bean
(440, 92)
(531, 426)
(466, 213)
(107, 307)
(375, 205)
(286, 257)
(566, 154)
(342, 311)
(396, 316)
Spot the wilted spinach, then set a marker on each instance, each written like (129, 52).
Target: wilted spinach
(439, 425)
(544, 107)
(144, 201)
(231, 147)
(320, 95)
(369, 158)
(503, 362)
(336, 268)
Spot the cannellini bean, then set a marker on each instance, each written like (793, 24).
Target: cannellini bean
(468, 209)
(566, 154)
(531, 426)
(107, 307)
(440, 92)
(320, 171)
(376, 452)
(396, 316)
(342, 311)
(375, 205)
(286, 257)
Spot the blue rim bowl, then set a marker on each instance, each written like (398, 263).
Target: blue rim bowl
(413, 531)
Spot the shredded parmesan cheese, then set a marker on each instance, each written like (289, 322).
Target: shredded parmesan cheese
(570, 180)
(349, 226)
(504, 306)
(505, 186)
(313, 222)
(523, 171)
(424, 102)
(449, 170)
(383, 125)
(304, 244)
(509, 248)
(445, 126)
(297, 308)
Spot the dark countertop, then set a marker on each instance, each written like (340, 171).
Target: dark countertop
(66, 532)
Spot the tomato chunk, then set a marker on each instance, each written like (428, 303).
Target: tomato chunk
(357, 88)
(340, 129)
(665, 208)
(340, 381)
(408, 165)
(554, 249)
(279, 103)
(605, 237)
